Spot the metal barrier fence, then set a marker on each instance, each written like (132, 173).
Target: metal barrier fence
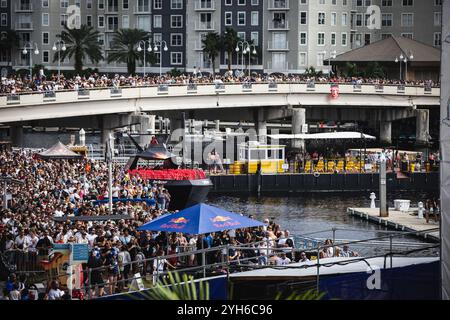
(20, 261)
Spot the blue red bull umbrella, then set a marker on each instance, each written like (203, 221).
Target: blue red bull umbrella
(200, 219)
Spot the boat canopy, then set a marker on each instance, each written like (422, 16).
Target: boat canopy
(323, 136)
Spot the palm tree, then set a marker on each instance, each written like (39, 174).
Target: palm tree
(124, 45)
(230, 40)
(211, 46)
(81, 44)
(9, 40)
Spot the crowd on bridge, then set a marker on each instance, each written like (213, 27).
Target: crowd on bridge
(19, 85)
(52, 189)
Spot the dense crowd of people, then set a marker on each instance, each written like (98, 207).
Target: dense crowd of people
(18, 85)
(67, 188)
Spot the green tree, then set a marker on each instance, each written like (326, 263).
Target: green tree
(9, 41)
(81, 43)
(212, 46)
(124, 45)
(374, 70)
(229, 41)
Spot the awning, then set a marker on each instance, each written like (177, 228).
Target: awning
(323, 136)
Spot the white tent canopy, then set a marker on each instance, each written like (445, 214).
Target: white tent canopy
(326, 135)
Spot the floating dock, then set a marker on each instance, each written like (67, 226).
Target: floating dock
(399, 220)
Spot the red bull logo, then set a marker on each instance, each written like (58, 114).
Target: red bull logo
(221, 219)
(179, 220)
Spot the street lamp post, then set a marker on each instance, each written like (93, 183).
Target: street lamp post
(246, 47)
(331, 56)
(30, 46)
(149, 49)
(160, 43)
(59, 46)
(411, 57)
(250, 58)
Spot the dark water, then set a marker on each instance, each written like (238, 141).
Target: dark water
(304, 214)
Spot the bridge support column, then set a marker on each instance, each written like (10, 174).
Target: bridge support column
(16, 134)
(261, 128)
(217, 124)
(298, 120)
(422, 126)
(386, 132)
(146, 129)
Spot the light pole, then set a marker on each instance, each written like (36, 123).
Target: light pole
(331, 56)
(59, 46)
(245, 48)
(411, 57)
(30, 46)
(250, 58)
(160, 43)
(149, 49)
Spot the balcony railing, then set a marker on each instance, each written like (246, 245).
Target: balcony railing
(24, 25)
(278, 46)
(278, 5)
(278, 25)
(205, 5)
(142, 9)
(24, 7)
(204, 26)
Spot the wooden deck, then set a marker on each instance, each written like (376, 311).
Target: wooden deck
(404, 221)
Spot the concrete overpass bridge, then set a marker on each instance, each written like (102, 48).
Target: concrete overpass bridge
(109, 108)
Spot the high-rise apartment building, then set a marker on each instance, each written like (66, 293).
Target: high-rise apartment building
(288, 35)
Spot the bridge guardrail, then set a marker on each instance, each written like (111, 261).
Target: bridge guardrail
(65, 96)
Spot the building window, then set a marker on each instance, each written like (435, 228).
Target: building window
(321, 18)
(408, 3)
(321, 1)
(321, 38)
(157, 4)
(101, 4)
(303, 38)
(176, 4)
(334, 2)
(437, 18)
(333, 39)
(89, 21)
(45, 38)
(408, 35)
(45, 56)
(320, 58)
(386, 3)
(143, 22)
(125, 22)
(255, 18)
(344, 39)
(241, 2)
(303, 17)
(101, 21)
(228, 2)
(45, 19)
(438, 2)
(437, 39)
(176, 21)
(4, 19)
(113, 23)
(157, 21)
(176, 39)
(125, 5)
(228, 18)
(333, 18)
(241, 35)
(359, 3)
(386, 19)
(302, 59)
(303, 2)
(386, 35)
(359, 20)
(241, 18)
(344, 19)
(255, 2)
(101, 39)
(44, 3)
(64, 4)
(63, 19)
(254, 37)
(407, 19)
(176, 58)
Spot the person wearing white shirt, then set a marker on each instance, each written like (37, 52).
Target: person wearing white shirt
(283, 260)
